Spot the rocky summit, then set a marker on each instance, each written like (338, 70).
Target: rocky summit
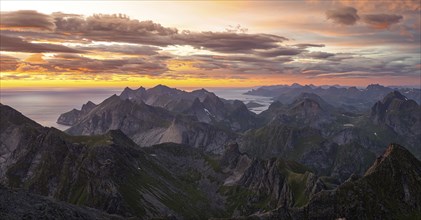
(164, 153)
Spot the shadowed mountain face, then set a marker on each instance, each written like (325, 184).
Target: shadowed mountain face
(309, 129)
(111, 173)
(162, 114)
(167, 153)
(33, 206)
(108, 172)
(331, 141)
(72, 117)
(203, 105)
(388, 190)
(148, 125)
(402, 115)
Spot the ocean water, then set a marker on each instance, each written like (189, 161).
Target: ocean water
(45, 106)
(238, 94)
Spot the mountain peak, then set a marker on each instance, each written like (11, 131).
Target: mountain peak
(160, 86)
(394, 95)
(375, 86)
(296, 85)
(89, 103)
(394, 157)
(308, 95)
(127, 89)
(161, 89)
(309, 100)
(88, 106)
(10, 115)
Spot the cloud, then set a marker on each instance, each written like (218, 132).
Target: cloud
(14, 77)
(103, 23)
(8, 63)
(319, 55)
(120, 28)
(241, 65)
(27, 67)
(349, 16)
(123, 49)
(280, 51)
(394, 6)
(381, 21)
(76, 64)
(227, 42)
(210, 65)
(343, 15)
(16, 44)
(89, 40)
(141, 66)
(26, 19)
(305, 46)
(236, 29)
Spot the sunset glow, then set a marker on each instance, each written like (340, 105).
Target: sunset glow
(209, 43)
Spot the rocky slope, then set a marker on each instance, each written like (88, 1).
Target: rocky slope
(148, 125)
(72, 117)
(19, 204)
(202, 104)
(401, 115)
(107, 172)
(388, 190)
(205, 105)
(332, 142)
(394, 196)
(307, 109)
(111, 173)
(255, 185)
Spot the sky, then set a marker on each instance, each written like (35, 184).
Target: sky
(209, 43)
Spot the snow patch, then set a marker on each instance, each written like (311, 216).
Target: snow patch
(208, 112)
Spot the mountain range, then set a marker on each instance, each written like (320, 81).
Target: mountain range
(350, 98)
(164, 153)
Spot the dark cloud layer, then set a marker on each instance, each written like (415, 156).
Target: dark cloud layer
(8, 63)
(280, 51)
(349, 16)
(319, 55)
(123, 49)
(381, 21)
(19, 45)
(229, 42)
(62, 63)
(305, 46)
(103, 23)
(344, 15)
(26, 19)
(144, 44)
(120, 28)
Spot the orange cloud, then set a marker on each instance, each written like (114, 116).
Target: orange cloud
(36, 58)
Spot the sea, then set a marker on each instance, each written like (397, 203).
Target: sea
(45, 106)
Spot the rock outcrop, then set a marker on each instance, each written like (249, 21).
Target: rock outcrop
(18, 204)
(72, 117)
(148, 125)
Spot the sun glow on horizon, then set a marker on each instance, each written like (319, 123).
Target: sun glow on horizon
(208, 43)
